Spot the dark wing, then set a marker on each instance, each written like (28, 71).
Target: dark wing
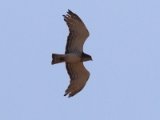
(78, 75)
(78, 32)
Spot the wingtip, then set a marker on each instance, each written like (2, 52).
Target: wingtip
(69, 11)
(67, 94)
(64, 16)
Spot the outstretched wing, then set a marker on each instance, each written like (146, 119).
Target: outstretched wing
(78, 32)
(78, 75)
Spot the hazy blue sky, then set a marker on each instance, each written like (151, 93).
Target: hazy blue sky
(124, 43)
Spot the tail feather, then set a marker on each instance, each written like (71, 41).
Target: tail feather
(57, 58)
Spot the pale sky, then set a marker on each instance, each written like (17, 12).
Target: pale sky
(124, 43)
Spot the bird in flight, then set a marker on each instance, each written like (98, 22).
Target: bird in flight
(74, 55)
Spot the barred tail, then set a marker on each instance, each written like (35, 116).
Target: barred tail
(57, 58)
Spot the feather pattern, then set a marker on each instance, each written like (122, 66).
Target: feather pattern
(74, 55)
(78, 78)
(78, 32)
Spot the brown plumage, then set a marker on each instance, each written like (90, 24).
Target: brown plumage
(74, 55)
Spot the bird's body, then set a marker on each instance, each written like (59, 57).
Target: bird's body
(74, 55)
(69, 58)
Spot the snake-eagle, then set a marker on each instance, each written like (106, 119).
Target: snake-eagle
(74, 55)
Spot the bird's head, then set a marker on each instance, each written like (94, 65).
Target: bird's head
(86, 57)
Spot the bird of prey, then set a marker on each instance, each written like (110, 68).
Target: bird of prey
(74, 55)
